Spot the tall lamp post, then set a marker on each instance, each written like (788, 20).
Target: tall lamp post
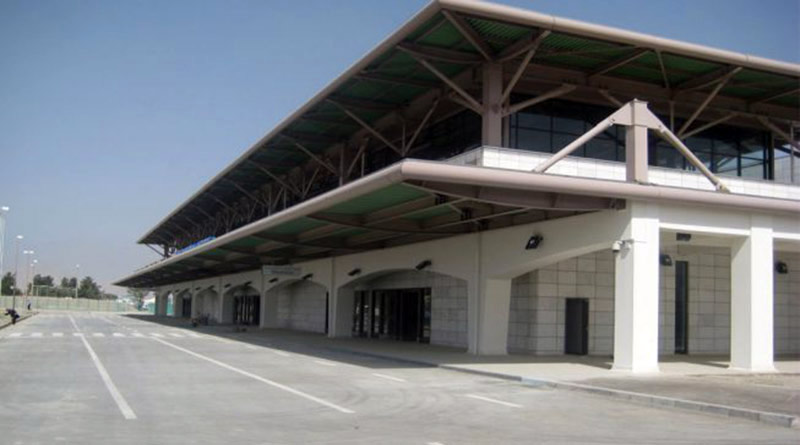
(16, 275)
(27, 269)
(33, 277)
(77, 278)
(3, 211)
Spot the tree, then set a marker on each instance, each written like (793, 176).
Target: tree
(7, 286)
(89, 289)
(137, 295)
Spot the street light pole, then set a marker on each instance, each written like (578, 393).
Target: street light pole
(3, 211)
(27, 270)
(33, 277)
(77, 278)
(16, 275)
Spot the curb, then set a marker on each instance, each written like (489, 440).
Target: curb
(777, 419)
(20, 319)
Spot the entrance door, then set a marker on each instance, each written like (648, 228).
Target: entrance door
(186, 308)
(576, 335)
(247, 310)
(681, 307)
(397, 314)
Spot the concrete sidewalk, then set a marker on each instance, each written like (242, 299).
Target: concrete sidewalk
(701, 383)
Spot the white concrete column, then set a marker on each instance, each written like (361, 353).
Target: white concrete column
(751, 298)
(269, 309)
(340, 312)
(492, 298)
(161, 304)
(492, 127)
(636, 145)
(636, 292)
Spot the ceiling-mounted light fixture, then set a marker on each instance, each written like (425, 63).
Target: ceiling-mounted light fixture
(665, 260)
(307, 276)
(781, 268)
(533, 242)
(354, 272)
(227, 285)
(423, 264)
(683, 237)
(274, 280)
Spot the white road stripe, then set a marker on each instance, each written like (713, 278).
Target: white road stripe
(499, 402)
(435, 443)
(259, 378)
(281, 353)
(36, 334)
(119, 334)
(388, 377)
(77, 334)
(123, 406)
(326, 363)
(138, 334)
(15, 334)
(176, 335)
(99, 334)
(193, 334)
(58, 334)
(155, 334)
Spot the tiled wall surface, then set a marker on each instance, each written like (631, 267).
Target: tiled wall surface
(514, 159)
(787, 305)
(448, 302)
(301, 306)
(538, 300)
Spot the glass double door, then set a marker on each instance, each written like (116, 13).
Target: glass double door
(246, 310)
(395, 314)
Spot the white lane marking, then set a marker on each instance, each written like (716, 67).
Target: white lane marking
(77, 334)
(499, 402)
(193, 334)
(176, 335)
(123, 406)
(99, 334)
(119, 334)
(58, 334)
(36, 334)
(138, 334)
(281, 353)
(250, 347)
(435, 443)
(326, 363)
(388, 377)
(259, 378)
(15, 334)
(155, 334)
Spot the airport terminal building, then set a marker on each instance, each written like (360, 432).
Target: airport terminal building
(503, 181)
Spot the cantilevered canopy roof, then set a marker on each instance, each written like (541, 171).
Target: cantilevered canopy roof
(453, 37)
(415, 201)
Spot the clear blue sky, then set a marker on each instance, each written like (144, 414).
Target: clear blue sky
(113, 112)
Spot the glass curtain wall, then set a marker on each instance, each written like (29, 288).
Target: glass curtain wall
(725, 150)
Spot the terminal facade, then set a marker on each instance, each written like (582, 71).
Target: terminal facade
(502, 181)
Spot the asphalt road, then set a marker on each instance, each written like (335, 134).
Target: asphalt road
(78, 378)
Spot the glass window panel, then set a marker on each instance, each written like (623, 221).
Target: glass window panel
(697, 144)
(562, 140)
(568, 125)
(726, 165)
(602, 148)
(533, 120)
(668, 157)
(533, 140)
(725, 147)
(704, 157)
(752, 168)
(753, 148)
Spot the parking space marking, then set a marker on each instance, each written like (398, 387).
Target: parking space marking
(259, 378)
(122, 404)
(36, 334)
(99, 334)
(176, 335)
(138, 334)
(119, 334)
(15, 334)
(58, 334)
(388, 377)
(156, 334)
(499, 402)
(77, 334)
(281, 353)
(325, 362)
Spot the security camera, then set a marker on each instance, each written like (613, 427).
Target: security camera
(616, 246)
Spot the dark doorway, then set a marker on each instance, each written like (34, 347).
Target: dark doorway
(247, 310)
(186, 307)
(395, 314)
(681, 307)
(576, 327)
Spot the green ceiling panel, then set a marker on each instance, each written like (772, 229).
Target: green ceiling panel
(429, 213)
(377, 200)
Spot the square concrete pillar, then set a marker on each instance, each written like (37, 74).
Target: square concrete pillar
(161, 304)
(492, 118)
(340, 312)
(636, 292)
(489, 326)
(751, 298)
(269, 309)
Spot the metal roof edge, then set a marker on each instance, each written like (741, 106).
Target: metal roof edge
(395, 37)
(531, 18)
